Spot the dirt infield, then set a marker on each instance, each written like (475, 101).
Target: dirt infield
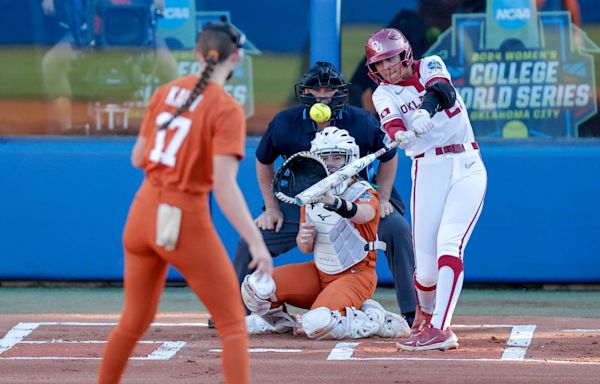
(178, 348)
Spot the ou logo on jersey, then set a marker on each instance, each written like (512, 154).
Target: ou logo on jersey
(376, 46)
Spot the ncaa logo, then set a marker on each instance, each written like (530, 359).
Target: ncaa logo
(434, 66)
(512, 14)
(176, 14)
(376, 46)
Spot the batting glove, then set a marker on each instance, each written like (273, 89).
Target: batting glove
(420, 122)
(405, 138)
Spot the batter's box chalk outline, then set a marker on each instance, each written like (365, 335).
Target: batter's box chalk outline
(515, 350)
(18, 334)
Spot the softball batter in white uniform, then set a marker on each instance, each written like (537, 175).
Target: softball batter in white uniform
(420, 109)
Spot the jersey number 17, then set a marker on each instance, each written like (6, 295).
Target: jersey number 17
(159, 153)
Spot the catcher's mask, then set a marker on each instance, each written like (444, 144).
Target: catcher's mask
(323, 75)
(335, 141)
(297, 173)
(384, 44)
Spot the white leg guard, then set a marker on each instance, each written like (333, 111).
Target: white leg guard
(322, 323)
(258, 294)
(374, 310)
(274, 321)
(361, 325)
(390, 324)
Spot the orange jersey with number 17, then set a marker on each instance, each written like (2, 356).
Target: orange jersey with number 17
(180, 156)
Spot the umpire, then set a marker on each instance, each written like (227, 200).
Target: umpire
(291, 131)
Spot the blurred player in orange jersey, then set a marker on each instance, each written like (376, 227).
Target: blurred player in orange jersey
(190, 142)
(341, 232)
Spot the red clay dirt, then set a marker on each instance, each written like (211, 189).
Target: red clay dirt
(561, 350)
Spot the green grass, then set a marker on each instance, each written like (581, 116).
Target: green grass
(473, 301)
(274, 78)
(274, 74)
(21, 72)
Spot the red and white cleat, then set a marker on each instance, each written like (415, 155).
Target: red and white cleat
(430, 338)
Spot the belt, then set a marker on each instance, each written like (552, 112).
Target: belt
(453, 148)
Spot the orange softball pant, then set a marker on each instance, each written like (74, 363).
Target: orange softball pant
(304, 286)
(202, 260)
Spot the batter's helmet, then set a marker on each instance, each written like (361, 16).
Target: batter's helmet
(386, 43)
(323, 75)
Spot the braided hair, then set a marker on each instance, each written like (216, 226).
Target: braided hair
(216, 45)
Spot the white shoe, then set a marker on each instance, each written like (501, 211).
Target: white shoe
(390, 324)
(394, 326)
(274, 321)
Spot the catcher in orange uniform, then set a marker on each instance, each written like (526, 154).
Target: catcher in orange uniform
(190, 142)
(337, 285)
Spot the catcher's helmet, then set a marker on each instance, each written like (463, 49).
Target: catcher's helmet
(384, 44)
(323, 75)
(335, 141)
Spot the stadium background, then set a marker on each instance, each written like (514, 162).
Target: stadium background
(66, 198)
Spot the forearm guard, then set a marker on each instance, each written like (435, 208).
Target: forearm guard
(341, 208)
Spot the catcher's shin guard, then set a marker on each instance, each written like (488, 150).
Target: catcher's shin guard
(390, 324)
(322, 323)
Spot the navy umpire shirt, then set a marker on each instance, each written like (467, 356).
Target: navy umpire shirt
(292, 130)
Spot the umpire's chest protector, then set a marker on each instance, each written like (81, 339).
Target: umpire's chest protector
(338, 244)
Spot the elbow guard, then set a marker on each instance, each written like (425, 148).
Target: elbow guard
(440, 95)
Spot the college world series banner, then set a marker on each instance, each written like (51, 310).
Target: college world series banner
(521, 73)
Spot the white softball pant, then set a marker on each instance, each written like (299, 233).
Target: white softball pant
(446, 201)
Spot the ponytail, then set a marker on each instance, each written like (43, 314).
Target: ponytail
(216, 42)
(211, 59)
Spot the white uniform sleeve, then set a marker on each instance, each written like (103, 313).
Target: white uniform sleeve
(384, 103)
(432, 67)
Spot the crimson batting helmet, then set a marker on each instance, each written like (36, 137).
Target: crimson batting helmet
(386, 43)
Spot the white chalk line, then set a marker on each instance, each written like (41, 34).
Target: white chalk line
(515, 350)
(16, 335)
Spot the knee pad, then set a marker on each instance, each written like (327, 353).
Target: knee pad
(322, 323)
(258, 293)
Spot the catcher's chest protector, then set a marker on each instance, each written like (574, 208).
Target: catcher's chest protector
(338, 244)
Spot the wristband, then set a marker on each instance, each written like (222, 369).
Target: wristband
(342, 209)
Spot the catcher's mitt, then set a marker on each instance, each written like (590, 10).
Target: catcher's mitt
(298, 172)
